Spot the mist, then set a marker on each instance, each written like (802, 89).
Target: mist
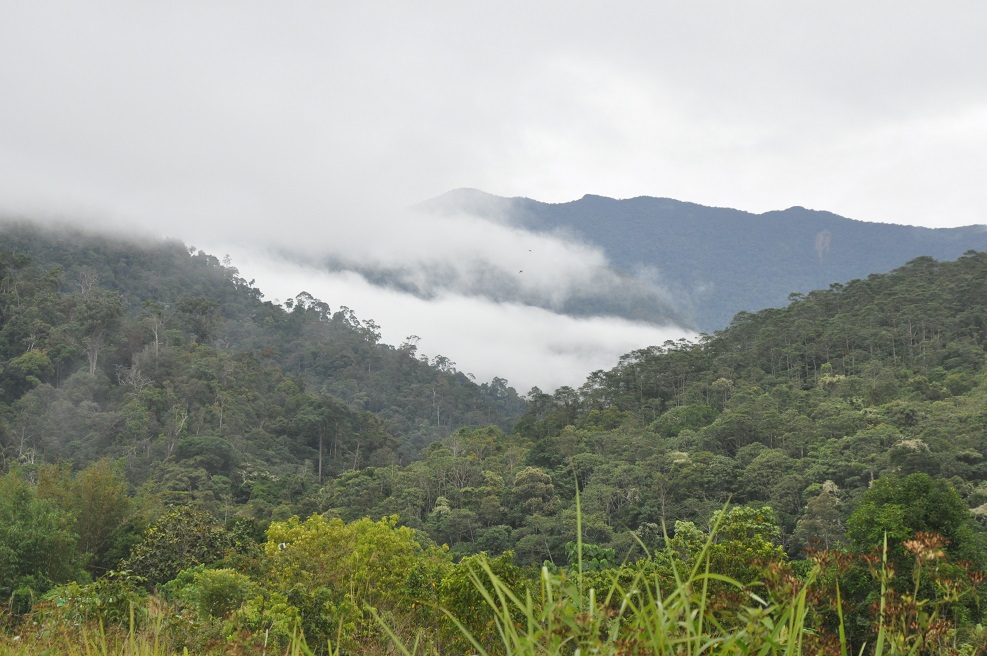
(465, 299)
(301, 133)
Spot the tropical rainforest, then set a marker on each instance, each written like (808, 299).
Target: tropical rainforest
(180, 456)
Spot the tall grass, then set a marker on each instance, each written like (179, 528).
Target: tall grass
(566, 615)
(691, 611)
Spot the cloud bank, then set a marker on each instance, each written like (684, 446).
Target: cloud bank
(527, 345)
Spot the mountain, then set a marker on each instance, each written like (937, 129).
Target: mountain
(167, 357)
(715, 262)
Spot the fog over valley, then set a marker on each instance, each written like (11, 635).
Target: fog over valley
(489, 297)
(302, 140)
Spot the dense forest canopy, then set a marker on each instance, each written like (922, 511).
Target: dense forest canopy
(159, 417)
(154, 352)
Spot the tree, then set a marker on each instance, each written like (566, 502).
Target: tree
(98, 316)
(96, 501)
(533, 491)
(463, 593)
(821, 524)
(212, 592)
(26, 372)
(182, 538)
(200, 315)
(37, 547)
(744, 541)
(333, 571)
(154, 319)
(900, 506)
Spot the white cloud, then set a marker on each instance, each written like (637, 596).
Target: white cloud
(526, 345)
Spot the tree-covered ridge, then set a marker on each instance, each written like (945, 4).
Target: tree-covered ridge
(167, 357)
(800, 408)
(876, 377)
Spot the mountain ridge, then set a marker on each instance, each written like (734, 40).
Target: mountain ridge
(465, 193)
(721, 261)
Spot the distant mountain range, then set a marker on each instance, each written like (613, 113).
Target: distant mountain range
(715, 262)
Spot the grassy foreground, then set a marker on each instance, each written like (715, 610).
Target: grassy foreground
(616, 611)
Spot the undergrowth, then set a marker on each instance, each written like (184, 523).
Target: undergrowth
(686, 609)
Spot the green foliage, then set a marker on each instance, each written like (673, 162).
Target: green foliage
(742, 541)
(865, 398)
(178, 346)
(594, 557)
(334, 571)
(181, 539)
(115, 599)
(214, 454)
(898, 507)
(677, 419)
(26, 372)
(464, 592)
(682, 601)
(213, 593)
(559, 615)
(37, 547)
(821, 525)
(98, 503)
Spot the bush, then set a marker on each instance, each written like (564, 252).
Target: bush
(183, 538)
(116, 599)
(213, 593)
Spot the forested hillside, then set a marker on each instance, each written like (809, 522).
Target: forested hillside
(167, 358)
(880, 376)
(166, 431)
(800, 408)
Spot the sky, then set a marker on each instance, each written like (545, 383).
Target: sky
(257, 129)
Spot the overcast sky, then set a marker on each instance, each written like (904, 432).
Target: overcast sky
(312, 125)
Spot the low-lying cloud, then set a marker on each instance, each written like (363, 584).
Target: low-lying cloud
(429, 254)
(537, 309)
(527, 345)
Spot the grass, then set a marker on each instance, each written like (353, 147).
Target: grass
(691, 611)
(564, 615)
(567, 616)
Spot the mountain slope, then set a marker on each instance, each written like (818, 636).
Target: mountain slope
(143, 346)
(716, 262)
